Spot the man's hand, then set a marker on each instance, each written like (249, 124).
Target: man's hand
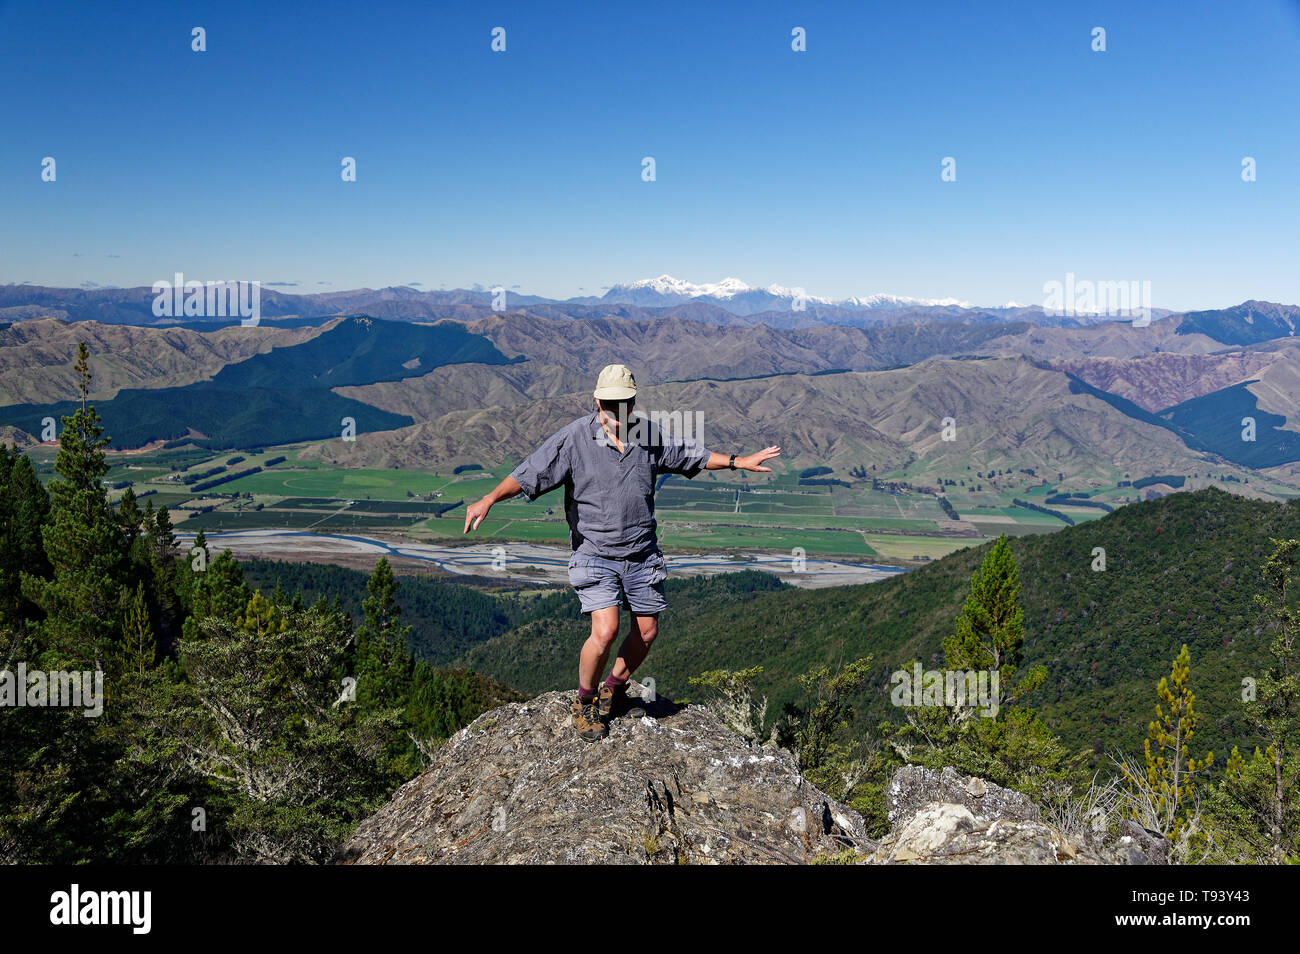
(754, 461)
(475, 513)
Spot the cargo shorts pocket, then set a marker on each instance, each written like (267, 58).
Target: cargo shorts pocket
(595, 581)
(581, 573)
(658, 568)
(644, 584)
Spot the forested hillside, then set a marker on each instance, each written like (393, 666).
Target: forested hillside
(1183, 569)
(446, 619)
(210, 722)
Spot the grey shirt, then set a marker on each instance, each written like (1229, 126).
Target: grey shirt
(608, 496)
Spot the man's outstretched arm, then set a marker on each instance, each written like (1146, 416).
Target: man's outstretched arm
(752, 462)
(541, 472)
(476, 511)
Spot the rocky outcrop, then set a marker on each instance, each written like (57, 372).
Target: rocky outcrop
(948, 818)
(676, 786)
(913, 788)
(516, 786)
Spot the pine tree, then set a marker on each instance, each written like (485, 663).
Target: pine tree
(1012, 747)
(139, 650)
(24, 507)
(162, 541)
(201, 543)
(1256, 805)
(384, 663)
(1171, 769)
(218, 591)
(990, 630)
(164, 586)
(130, 516)
(83, 542)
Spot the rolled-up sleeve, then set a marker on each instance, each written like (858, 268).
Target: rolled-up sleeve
(546, 468)
(683, 457)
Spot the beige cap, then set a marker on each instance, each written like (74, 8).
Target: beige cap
(614, 384)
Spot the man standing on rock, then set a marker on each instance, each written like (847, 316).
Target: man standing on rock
(608, 463)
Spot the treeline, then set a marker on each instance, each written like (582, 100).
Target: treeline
(234, 725)
(446, 619)
(1051, 513)
(1074, 501)
(203, 475)
(1173, 480)
(227, 478)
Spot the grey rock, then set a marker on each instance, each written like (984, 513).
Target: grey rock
(1139, 846)
(913, 787)
(947, 818)
(676, 786)
(517, 786)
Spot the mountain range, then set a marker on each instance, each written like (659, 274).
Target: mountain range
(440, 379)
(729, 301)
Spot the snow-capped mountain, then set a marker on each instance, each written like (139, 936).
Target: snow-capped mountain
(679, 288)
(902, 301)
(740, 298)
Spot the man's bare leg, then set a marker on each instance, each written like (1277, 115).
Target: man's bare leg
(595, 651)
(636, 646)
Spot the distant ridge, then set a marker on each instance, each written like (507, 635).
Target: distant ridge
(728, 301)
(285, 394)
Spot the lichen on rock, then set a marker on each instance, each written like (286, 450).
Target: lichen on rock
(517, 786)
(676, 786)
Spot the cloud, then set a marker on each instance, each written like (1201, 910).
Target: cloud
(92, 285)
(280, 284)
(76, 255)
(324, 283)
(414, 285)
(113, 255)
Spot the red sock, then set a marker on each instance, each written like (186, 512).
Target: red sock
(614, 682)
(585, 694)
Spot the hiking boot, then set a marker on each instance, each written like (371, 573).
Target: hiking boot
(615, 702)
(612, 701)
(586, 719)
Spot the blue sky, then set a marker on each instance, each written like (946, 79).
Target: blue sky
(818, 169)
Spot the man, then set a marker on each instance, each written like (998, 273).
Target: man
(608, 464)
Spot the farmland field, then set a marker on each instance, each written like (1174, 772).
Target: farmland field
(855, 520)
